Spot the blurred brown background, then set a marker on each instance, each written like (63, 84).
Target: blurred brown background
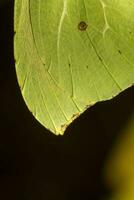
(34, 163)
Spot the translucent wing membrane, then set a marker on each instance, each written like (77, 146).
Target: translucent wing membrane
(72, 54)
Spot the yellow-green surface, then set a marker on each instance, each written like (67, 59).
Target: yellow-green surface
(71, 54)
(120, 166)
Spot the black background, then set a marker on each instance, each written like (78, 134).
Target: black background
(34, 163)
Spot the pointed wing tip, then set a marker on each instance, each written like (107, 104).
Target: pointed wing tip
(63, 127)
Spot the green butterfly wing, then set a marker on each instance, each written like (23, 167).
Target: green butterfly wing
(71, 54)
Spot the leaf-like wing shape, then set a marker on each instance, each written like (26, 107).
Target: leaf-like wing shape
(71, 54)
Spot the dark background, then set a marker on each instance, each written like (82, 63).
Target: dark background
(34, 163)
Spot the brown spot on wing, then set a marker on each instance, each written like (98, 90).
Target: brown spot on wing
(82, 26)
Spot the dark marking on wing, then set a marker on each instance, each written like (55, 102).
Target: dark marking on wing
(119, 52)
(82, 26)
